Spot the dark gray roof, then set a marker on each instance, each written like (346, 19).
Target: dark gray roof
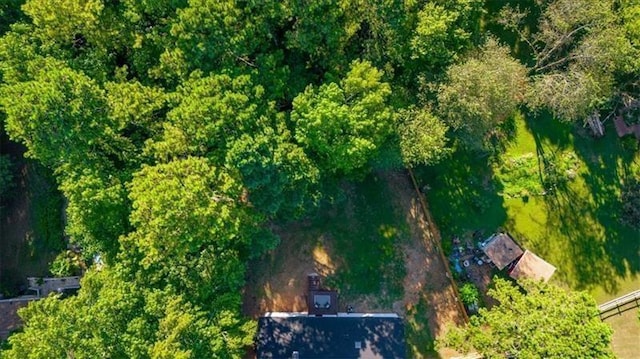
(342, 337)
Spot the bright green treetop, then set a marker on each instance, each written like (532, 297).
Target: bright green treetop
(536, 321)
(342, 125)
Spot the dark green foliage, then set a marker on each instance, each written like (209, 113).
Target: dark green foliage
(6, 176)
(630, 203)
(47, 205)
(177, 128)
(9, 13)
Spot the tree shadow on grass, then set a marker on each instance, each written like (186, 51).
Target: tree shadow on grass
(598, 250)
(463, 195)
(419, 340)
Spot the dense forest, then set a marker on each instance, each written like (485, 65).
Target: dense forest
(177, 130)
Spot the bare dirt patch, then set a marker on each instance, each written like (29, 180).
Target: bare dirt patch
(427, 277)
(277, 282)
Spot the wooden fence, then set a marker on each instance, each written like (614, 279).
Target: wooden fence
(620, 304)
(436, 242)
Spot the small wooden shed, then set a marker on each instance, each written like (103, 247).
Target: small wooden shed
(501, 249)
(533, 267)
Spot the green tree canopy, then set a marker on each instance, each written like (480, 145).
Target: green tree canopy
(192, 229)
(210, 113)
(97, 210)
(444, 32)
(536, 321)
(6, 176)
(279, 176)
(342, 125)
(481, 93)
(580, 48)
(114, 317)
(422, 137)
(61, 115)
(227, 120)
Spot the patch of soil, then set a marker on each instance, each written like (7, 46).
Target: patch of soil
(427, 277)
(278, 281)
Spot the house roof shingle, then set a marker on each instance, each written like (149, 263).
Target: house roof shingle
(344, 336)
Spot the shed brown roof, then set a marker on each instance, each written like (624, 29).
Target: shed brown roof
(533, 267)
(501, 249)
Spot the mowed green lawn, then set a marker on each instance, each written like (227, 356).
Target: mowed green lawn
(575, 226)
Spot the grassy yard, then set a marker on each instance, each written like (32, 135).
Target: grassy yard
(352, 240)
(365, 228)
(556, 190)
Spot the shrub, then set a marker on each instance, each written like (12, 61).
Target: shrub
(560, 169)
(630, 199)
(469, 294)
(66, 264)
(521, 175)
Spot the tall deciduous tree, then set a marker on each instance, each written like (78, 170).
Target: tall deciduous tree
(61, 115)
(210, 113)
(481, 93)
(320, 31)
(536, 321)
(342, 125)
(579, 50)
(444, 32)
(192, 229)
(278, 174)
(115, 317)
(97, 209)
(422, 137)
(227, 120)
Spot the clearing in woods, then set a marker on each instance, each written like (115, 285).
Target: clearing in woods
(376, 248)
